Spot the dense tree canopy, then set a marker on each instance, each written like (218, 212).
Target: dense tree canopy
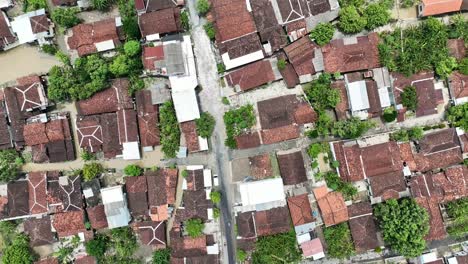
(237, 121)
(404, 224)
(18, 252)
(445, 67)
(91, 170)
(169, 127)
(98, 246)
(376, 15)
(66, 17)
(277, 249)
(124, 242)
(352, 128)
(458, 212)
(320, 93)
(409, 98)
(203, 6)
(205, 125)
(339, 242)
(458, 116)
(10, 164)
(322, 33)
(129, 19)
(351, 21)
(133, 170)
(162, 256)
(194, 227)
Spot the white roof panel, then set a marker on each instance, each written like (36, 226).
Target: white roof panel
(207, 178)
(112, 194)
(259, 192)
(131, 151)
(358, 95)
(105, 45)
(186, 105)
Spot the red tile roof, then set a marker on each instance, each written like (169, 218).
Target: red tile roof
(245, 224)
(97, 216)
(362, 54)
(456, 48)
(260, 166)
(127, 124)
(37, 185)
(436, 224)
(232, 19)
(312, 247)
(85, 260)
(273, 221)
(364, 233)
(152, 233)
(6, 35)
(248, 140)
(30, 93)
(69, 223)
(300, 54)
(305, 114)
(333, 208)
(459, 85)
(151, 55)
(437, 7)
(85, 36)
(184, 246)
(290, 76)
(292, 168)
(39, 24)
(301, 212)
(343, 106)
(148, 119)
(252, 75)
(137, 189)
(280, 134)
(160, 22)
(189, 129)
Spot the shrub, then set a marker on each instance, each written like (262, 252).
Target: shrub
(458, 116)
(129, 19)
(101, 5)
(185, 20)
(334, 182)
(194, 227)
(132, 48)
(215, 196)
(124, 242)
(390, 114)
(205, 125)
(241, 255)
(458, 212)
(416, 133)
(352, 128)
(463, 66)
(409, 98)
(350, 20)
(225, 101)
(407, 3)
(49, 49)
(18, 252)
(133, 170)
(91, 171)
(339, 242)
(210, 30)
(237, 121)
(320, 93)
(87, 156)
(314, 164)
(185, 173)
(10, 164)
(98, 246)
(283, 246)
(162, 256)
(281, 64)
(31, 5)
(221, 68)
(445, 66)
(203, 6)
(335, 164)
(312, 134)
(169, 127)
(136, 84)
(376, 15)
(323, 33)
(315, 149)
(216, 213)
(66, 17)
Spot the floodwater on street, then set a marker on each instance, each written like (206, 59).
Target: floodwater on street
(24, 60)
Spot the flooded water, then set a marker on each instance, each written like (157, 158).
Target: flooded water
(24, 60)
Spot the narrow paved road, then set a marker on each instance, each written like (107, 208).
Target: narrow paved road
(210, 100)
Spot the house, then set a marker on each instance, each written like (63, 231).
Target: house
(363, 227)
(261, 195)
(193, 141)
(143, 6)
(263, 223)
(248, 140)
(161, 200)
(37, 193)
(261, 166)
(94, 37)
(301, 214)
(39, 231)
(115, 207)
(351, 54)
(306, 58)
(137, 190)
(458, 87)
(63, 192)
(253, 75)
(313, 249)
(33, 26)
(429, 92)
(292, 168)
(97, 217)
(68, 224)
(152, 233)
(342, 108)
(155, 24)
(433, 7)
(332, 206)
(185, 247)
(272, 34)
(7, 36)
(148, 120)
(17, 203)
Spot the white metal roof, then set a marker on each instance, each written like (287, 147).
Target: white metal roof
(186, 105)
(203, 143)
(207, 180)
(115, 207)
(131, 151)
(213, 249)
(189, 80)
(230, 64)
(112, 194)
(358, 95)
(21, 25)
(105, 45)
(5, 3)
(260, 192)
(384, 97)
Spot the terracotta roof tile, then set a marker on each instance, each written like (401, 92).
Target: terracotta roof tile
(436, 7)
(39, 24)
(187, 246)
(151, 55)
(37, 185)
(86, 36)
(127, 124)
(241, 46)
(267, 25)
(300, 54)
(388, 185)
(252, 75)
(312, 247)
(305, 114)
(292, 168)
(69, 223)
(245, 224)
(230, 26)
(97, 216)
(39, 231)
(160, 22)
(459, 85)
(189, 129)
(333, 208)
(85, 260)
(436, 225)
(290, 76)
(364, 233)
(152, 233)
(248, 140)
(137, 189)
(6, 34)
(280, 134)
(277, 112)
(273, 221)
(260, 166)
(301, 212)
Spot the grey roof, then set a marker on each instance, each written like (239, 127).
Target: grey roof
(174, 58)
(117, 214)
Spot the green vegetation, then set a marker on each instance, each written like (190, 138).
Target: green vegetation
(185, 20)
(322, 34)
(241, 255)
(458, 212)
(236, 122)
(389, 114)
(66, 17)
(403, 135)
(129, 19)
(162, 256)
(404, 224)
(101, 5)
(339, 242)
(18, 251)
(127, 63)
(133, 170)
(320, 93)
(210, 30)
(194, 227)
(225, 101)
(203, 6)
(169, 127)
(376, 15)
(50, 49)
(216, 213)
(352, 128)
(463, 66)
(409, 98)
(31, 5)
(205, 125)
(7, 234)
(350, 20)
(10, 164)
(221, 68)
(123, 241)
(185, 173)
(457, 116)
(98, 246)
(416, 48)
(91, 171)
(87, 156)
(277, 249)
(337, 184)
(445, 67)
(215, 197)
(281, 64)
(407, 3)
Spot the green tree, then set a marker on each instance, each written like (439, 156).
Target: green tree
(404, 224)
(133, 170)
(389, 114)
(124, 242)
(409, 98)
(350, 20)
(101, 5)
(281, 64)
(169, 127)
(241, 255)
(132, 48)
(352, 128)
(203, 6)
(323, 124)
(237, 121)
(277, 249)
(339, 242)
(205, 125)
(66, 17)
(210, 30)
(50, 49)
(120, 66)
(10, 164)
(458, 212)
(463, 66)
(445, 67)
(320, 93)
(98, 246)
(216, 213)
(18, 252)
(322, 34)
(7, 233)
(416, 133)
(215, 196)
(91, 170)
(194, 227)
(457, 116)
(31, 5)
(136, 84)
(87, 156)
(185, 20)
(162, 256)
(376, 15)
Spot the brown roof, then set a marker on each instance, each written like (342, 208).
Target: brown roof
(388, 185)
(39, 231)
(333, 208)
(6, 34)
(152, 233)
(85, 260)
(29, 94)
(154, 5)
(5, 138)
(69, 223)
(290, 76)
(301, 212)
(89, 132)
(458, 85)
(151, 55)
(112, 99)
(110, 135)
(359, 209)
(400, 82)
(457, 48)
(64, 197)
(147, 119)
(252, 75)
(300, 54)
(260, 166)
(248, 140)
(407, 155)
(35, 134)
(273, 221)
(85, 36)
(189, 129)
(18, 198)
(245, 225)
(436, 224)
(305, 114)
(39, 24)
(184, 246)
(97, 217)
(291, 10)
(362, 54)
(49, 260)
(137, 195)
(277, 112)
(292, 168)
(267, 24)
(37, 185)
(364, 233)
(160, 22)
(195, 180)
(233, 20)
(343, 106)
(127, 124)
(280, 134)
(64, 2)
(241, 46)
